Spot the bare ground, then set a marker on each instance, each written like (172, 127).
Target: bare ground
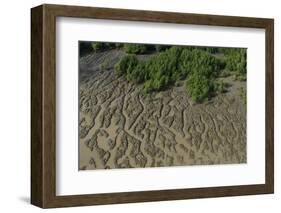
(122, 128)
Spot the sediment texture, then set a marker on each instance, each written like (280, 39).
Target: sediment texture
(122, 128)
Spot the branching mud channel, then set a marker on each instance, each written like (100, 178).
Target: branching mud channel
(120, 127)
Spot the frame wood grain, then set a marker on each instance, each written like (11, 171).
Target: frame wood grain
(43, 105)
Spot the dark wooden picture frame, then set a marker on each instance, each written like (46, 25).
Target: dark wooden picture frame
(43, 105)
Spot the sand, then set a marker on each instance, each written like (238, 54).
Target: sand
(122, 128)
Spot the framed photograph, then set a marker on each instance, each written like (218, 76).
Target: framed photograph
(136, 106)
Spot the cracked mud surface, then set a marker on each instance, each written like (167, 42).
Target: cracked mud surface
(121, 128)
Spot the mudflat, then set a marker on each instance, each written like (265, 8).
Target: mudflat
(120, 127)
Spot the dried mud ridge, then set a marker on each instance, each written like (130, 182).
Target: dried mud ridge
(122, 128)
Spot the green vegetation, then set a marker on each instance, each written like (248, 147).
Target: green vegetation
(220, 86)
(199, 86)
(135, 48)
(101, 46)
(97, 46)
(126, 64)
(212, 50)
(128, 48)
(174, 64)
(236, 61)
(200, 67)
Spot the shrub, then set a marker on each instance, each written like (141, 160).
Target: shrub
(102, 46)
(211, 64)
(199, 87)
(192, 61)
(201, 69)
(126, 65)
(210, 49)
(160, 83)
(236, 60)
(186, 65)
(97, 46)
(225, 50)
(162, 69)
(136, 74)
(135, 48)
(173, 65)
